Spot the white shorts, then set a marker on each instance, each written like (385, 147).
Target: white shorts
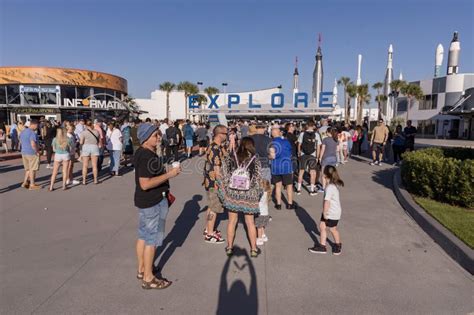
(58, 157)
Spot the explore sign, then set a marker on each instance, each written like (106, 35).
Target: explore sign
(276, 101)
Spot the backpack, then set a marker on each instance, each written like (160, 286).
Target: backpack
(354, 136)
(172, 136)
(240, 178)
(309, 142)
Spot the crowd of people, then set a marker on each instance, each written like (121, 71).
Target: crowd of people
(247, 165)
(65, 143)
(243, 164)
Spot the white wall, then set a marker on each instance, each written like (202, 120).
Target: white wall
(156, 105)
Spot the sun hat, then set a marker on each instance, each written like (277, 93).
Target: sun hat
(145, 131)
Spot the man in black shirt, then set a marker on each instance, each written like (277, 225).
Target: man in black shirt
(410, 133)
(151, 192)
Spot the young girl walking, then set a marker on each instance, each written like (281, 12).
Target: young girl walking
(331, 212)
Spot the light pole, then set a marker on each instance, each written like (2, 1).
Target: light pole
(224, 84)
(199, 84)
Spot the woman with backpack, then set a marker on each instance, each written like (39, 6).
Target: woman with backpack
(240, 191)
(89, 140)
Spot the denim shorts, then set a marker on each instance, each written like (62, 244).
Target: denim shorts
(189, 143)
(58, 157)
(151, 223)
(90, 150)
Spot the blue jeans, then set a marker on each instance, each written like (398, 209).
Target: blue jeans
(151, 223)
(330, 160)
(115, 160)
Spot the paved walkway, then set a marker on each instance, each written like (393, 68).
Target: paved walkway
(421, 142)
(73, 252)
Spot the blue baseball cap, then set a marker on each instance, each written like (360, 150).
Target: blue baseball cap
(145, 131)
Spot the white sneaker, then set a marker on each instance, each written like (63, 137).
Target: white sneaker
(380, 164)
(75, 182)
(260, 241)
(49, 166)
(265, 238)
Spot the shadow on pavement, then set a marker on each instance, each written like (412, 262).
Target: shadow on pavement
(359, 158)
(45, 180)
(10, 168)
(235, 298)
(384, 177)
(309, 225)
(179, 233)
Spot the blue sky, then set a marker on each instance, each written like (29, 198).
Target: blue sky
(249, 44)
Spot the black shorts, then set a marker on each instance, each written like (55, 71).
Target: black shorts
(287, 179)
(308, 162)
(329, 222)
(377, 146)
(203, 143)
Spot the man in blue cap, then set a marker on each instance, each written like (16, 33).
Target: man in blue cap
(151, 192)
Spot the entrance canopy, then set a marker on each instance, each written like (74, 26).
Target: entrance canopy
(283, 112)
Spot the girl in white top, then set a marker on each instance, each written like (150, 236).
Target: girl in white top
(331, 212)
(114, 145)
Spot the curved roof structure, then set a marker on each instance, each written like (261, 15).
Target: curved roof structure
(62, 76)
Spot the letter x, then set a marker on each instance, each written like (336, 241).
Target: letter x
(213, 101)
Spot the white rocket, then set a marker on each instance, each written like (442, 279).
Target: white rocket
(295, 79)
(359, 67)
(334, 94)
(387, 108)
(453, 56)
(358, 82)
(318, 75)
(438, 60)
(400, 76)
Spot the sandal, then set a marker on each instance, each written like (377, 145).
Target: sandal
(140, 275)
(229, 251)
(254, 253)
(156, 284)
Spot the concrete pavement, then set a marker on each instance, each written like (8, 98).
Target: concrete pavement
(73, 252)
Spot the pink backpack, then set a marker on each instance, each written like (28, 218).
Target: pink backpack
(240, 179)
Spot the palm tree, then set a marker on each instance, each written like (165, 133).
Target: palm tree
(396, 86)
(167, 87)
(130, 104)
(345, 81)
(378, 86)
(413, 92)
(201, 99)
(189, 89)
(351, 94)
(210, 90)
(363, 97)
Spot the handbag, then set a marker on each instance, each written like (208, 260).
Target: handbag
(171, 199)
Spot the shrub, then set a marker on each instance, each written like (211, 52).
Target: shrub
(446, 175)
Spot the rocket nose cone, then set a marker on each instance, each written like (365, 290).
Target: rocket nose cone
(455, 37)
(439, 49)
(390, 48)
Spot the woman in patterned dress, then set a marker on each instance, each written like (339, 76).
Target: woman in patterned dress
(242, 201)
